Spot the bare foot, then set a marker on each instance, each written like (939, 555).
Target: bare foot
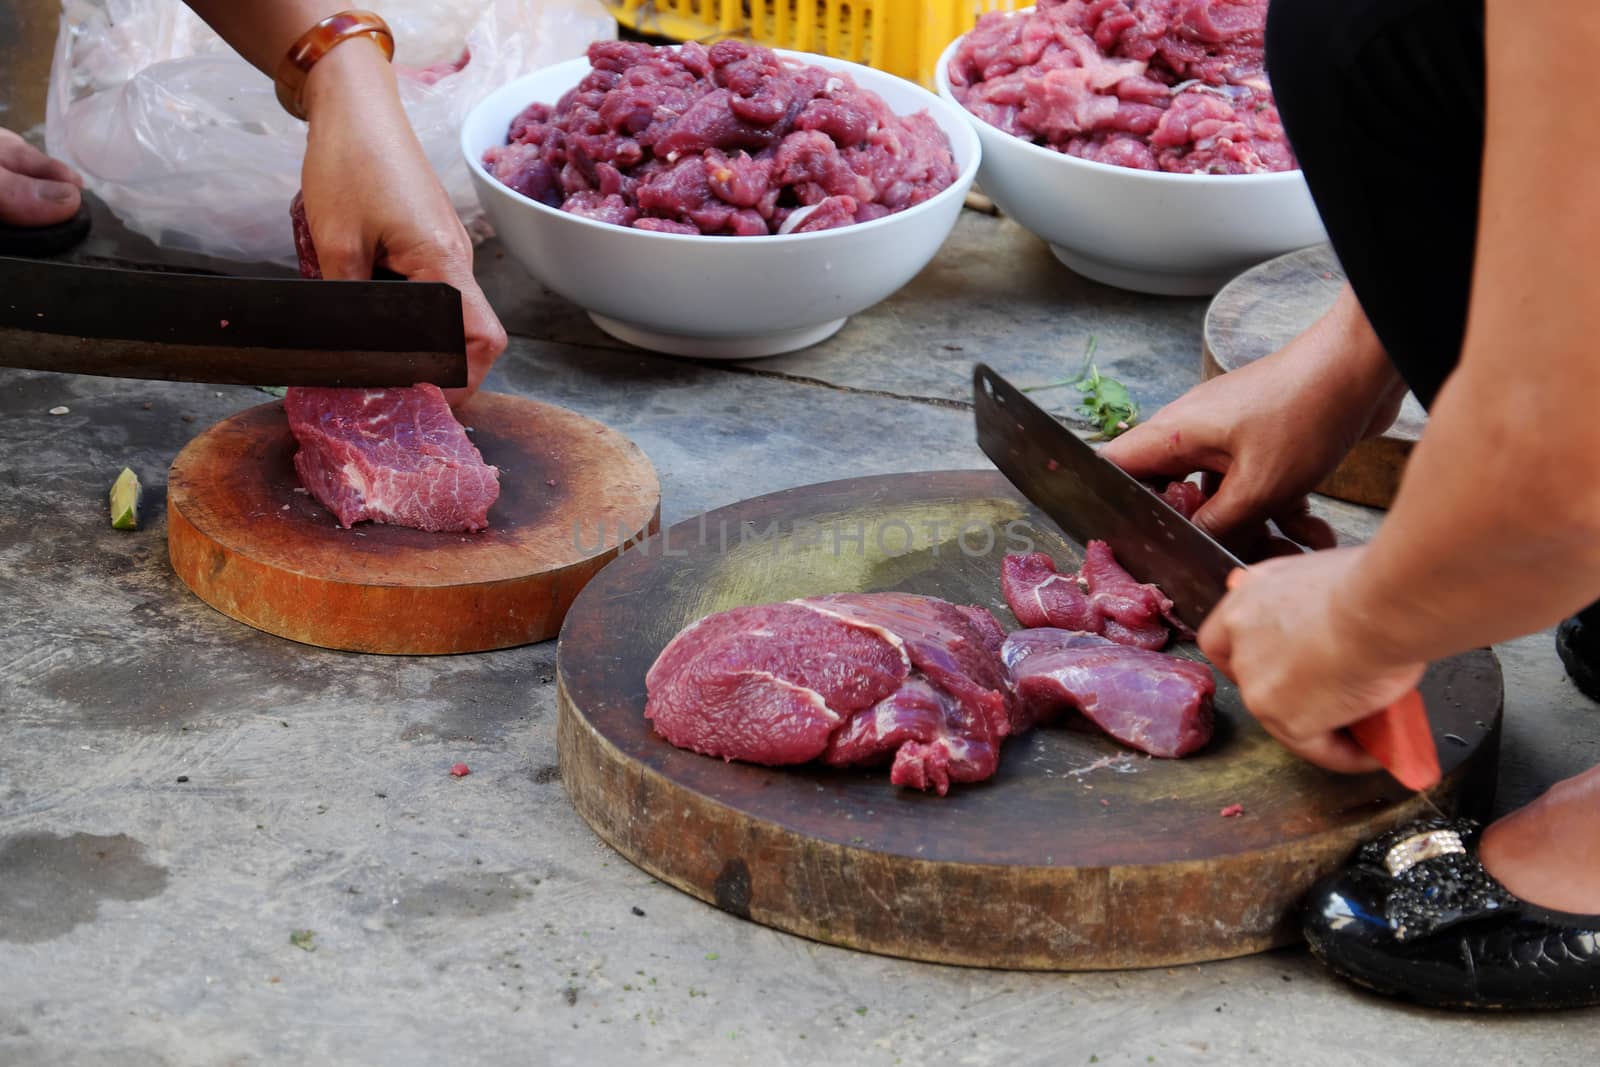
(1548, 853)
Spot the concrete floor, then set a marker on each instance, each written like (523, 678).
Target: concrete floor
(182, 797)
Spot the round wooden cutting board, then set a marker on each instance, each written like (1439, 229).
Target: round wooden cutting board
(1077, 855)
(253, 544)
(1268, 306)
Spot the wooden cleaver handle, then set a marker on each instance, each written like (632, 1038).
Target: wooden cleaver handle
(1400, 738)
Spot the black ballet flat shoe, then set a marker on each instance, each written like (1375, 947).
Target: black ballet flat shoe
(1578, 645)
(1415, 915)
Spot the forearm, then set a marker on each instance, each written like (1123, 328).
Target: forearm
(1496, 529)
(1351, 361)
(1495, 532)
(263, 30)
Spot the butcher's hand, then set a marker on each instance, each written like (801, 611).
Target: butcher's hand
(1266, 434)
(372, 199)
(1304, 665)
(35, 190)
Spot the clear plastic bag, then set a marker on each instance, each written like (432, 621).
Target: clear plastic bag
(187, 144)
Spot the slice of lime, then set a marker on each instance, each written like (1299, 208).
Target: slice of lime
(125, 501)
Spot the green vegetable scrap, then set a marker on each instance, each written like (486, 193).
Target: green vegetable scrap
(303, 940)
(274, 390)
(1106, 406)
(125, 501)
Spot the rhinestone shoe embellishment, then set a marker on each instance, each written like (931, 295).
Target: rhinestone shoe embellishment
(1428, 845)
(1436, 881)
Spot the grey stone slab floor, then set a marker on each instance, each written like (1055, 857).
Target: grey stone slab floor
(180, 795)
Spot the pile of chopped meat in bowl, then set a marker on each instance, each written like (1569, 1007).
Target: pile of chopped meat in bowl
(1138, 137)
(722, 202)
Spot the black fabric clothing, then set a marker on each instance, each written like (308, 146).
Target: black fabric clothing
(1383, 102)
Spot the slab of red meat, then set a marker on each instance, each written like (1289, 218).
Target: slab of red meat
(770, 683)
(956, 647)
(394, 456)
(851, 679)
(1149, 701)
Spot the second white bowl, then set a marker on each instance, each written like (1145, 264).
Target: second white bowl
(1154, 232)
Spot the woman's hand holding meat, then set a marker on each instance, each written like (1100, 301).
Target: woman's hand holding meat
(372, 200)
(1268, 433)
(371, 197)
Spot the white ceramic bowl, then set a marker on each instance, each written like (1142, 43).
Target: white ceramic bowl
(1173, 234)
(717, 297)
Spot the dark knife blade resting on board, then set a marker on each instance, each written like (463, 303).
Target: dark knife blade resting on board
(1091, 498)
(240, 331)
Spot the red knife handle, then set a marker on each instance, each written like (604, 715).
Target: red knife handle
(1400, 738)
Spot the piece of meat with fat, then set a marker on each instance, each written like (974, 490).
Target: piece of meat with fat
(850, 679)
(1147, 700)
(1133, 610)
(1101, 598)
(957, 654)
(1039, 595)
(394, 456)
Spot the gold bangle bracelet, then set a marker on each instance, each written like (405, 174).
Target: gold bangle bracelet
(317, 42)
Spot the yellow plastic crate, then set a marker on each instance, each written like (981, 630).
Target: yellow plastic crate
(902, 37)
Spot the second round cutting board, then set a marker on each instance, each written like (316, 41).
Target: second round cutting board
(1077, 855)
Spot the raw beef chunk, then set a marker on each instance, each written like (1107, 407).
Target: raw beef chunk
(1183, 497)
(1155, 703)
(1039, 595)
(1101, 598)
(394, 456)
(1133, 611)
(850, 679)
